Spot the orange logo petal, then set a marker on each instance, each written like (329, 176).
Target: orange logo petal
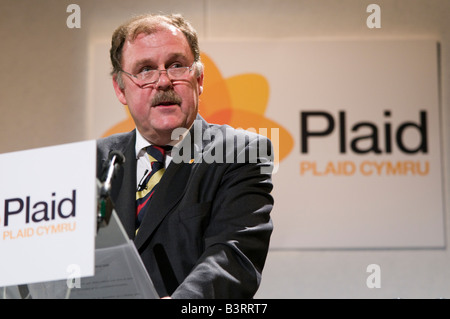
(241, 101)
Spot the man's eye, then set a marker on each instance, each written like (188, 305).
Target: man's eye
(176, 65)
(146, 69)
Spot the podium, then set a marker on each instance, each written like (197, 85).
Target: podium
(119, 273)
(60, 236)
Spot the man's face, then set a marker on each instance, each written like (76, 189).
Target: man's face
(161, 107)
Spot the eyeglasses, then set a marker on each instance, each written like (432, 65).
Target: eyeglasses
(151, 76)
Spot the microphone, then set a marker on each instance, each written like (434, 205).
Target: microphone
(115, 159)
(105, 205)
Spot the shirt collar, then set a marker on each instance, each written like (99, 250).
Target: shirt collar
(142, 143)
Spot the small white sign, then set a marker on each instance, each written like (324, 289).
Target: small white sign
(47, 213)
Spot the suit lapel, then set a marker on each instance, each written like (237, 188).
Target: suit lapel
(171, 189)
(168, 194)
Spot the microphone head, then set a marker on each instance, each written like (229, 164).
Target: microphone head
(120, 158)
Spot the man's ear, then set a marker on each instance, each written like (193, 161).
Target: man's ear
(119, 90)
(200, 83)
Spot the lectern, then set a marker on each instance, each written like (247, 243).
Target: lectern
(118, 271)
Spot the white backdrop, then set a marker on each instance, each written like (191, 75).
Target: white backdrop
(325, 198)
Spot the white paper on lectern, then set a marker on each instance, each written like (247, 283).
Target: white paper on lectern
(119, 274)
(119, 270)
(47, 213)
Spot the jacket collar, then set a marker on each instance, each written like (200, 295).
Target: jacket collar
(171, 187)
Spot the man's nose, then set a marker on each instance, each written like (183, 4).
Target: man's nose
(164, 81)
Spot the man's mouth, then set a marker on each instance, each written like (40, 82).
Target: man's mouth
(167, 103)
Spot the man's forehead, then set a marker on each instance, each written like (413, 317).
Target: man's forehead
(174, 30)
(172, 40)
(159, 38)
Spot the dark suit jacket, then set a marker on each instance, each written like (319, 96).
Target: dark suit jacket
(206, 232)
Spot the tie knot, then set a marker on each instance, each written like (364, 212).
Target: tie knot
(158, 152)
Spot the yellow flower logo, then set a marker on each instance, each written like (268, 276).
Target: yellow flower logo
(239, 101)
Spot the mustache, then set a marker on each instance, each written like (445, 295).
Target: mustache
(166, 97)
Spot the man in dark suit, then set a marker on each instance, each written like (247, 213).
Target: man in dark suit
(205, 232)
